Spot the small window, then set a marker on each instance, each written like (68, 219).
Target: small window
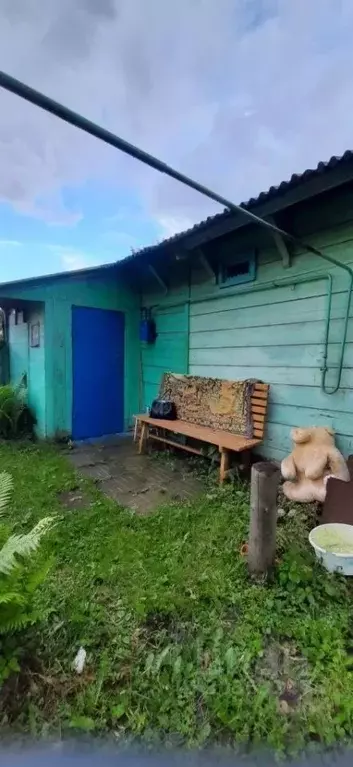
(237, 270)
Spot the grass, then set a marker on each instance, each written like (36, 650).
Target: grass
(181, 645)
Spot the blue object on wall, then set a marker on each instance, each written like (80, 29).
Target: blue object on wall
(98, 372)
(148, 332)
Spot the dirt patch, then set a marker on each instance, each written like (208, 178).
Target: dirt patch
(286, 673)
(51, 689)
(171, 625)
(74, 500)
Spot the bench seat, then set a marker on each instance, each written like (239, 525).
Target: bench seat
(202, 433)
(225, 441)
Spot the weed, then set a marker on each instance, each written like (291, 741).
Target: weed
(16, 418)
(181, 645)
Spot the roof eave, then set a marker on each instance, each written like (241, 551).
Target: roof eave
(298, 189)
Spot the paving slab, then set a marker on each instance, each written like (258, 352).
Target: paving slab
(82, 457)
(139, 482)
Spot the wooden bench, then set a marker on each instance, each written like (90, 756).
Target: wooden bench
(225, 441)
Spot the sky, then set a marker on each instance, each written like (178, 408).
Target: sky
(237, 94)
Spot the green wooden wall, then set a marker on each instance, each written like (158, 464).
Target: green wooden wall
(169, 352)
(36, 371)
(29, 361)
(275, 333)
(264, 330)
(97, 290)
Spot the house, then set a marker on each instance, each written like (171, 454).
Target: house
(73, 339)
(229, 300)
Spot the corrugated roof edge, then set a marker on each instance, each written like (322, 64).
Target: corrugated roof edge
(274, 191)
(60, 275)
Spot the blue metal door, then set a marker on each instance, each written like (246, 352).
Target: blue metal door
(98, 372)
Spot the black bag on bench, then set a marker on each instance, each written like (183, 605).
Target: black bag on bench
(163, 409)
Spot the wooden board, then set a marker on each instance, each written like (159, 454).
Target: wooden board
(259, 402)
(202, 433)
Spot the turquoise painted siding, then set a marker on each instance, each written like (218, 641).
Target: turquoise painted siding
(29, 362)
(271, 331)
(168, 353)
(276, 334)
(59, 295)
(19, 357)
(36, 373)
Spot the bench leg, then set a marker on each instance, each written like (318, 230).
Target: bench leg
(143, 437)
(246, 461)
(136, 428)
(224, 465)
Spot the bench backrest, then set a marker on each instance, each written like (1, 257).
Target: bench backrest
(259, 402)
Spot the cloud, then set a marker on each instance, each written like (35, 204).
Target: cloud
(51, 210)
(172, 224)
(72, 259)
(237, 94)
(10, 244)
(118, 239)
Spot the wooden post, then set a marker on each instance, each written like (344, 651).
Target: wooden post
(265, 479)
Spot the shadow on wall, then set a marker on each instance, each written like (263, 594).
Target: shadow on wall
(26, 352)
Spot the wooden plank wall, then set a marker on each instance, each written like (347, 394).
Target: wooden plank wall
(277, 335)
(168, 353)
(29, 361)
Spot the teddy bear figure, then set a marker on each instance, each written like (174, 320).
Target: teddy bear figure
(313, 460)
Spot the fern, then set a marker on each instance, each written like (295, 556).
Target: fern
(22, 545)
(16, 418)
(20, 390)
(6, 487)
(37, 577)
(12, 597)
(19, 578)
(17, 621)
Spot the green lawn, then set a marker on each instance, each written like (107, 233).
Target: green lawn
(181, 645)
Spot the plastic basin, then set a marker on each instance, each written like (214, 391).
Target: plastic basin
(333, 561)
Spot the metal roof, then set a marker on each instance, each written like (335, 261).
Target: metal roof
(273, 192)
(89, 271)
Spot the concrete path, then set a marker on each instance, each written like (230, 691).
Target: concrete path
(141, 482)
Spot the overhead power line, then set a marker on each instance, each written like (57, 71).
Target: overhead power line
(73, 118)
